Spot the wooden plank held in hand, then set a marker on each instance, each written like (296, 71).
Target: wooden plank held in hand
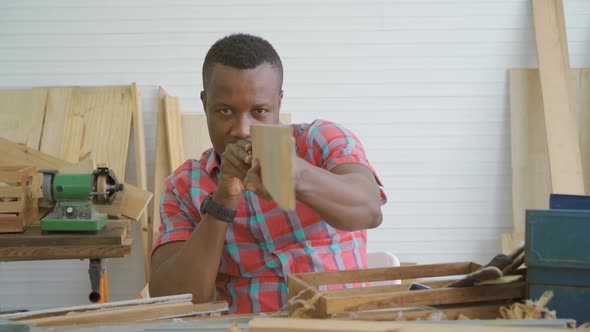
(274, 147)
(562, 133)
(173, 131)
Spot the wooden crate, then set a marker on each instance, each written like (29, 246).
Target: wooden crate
(307, 300)
(18, 204)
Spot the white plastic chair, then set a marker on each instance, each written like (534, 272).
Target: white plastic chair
(379, 259)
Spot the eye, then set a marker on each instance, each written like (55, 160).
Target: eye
(224, 111)
(260, 111)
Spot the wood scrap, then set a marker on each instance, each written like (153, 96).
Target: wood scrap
(273, 146)
(21, 115)
(563, 143)
(530, 309)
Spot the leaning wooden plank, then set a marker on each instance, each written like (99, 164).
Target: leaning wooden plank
(97, 120)
(161, 167)
(95, 307)
(531, 177)
(173, 131)
(21, 115)
(109, 235)
(562, 133)
(273, 146)
(140, 169)
(65, 252)
(271, 324)
(581, 83)
(440, 296)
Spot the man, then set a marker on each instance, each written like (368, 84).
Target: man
(221, 238)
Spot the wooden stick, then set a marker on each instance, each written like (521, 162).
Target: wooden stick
(273, 146)
(391, 273)
(425, 297)
(562, 133)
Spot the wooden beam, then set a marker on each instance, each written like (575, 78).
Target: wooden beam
(390, 273)
(173, 132)
(273, 145)
(562, 133)
(338, 304)
(195, 134)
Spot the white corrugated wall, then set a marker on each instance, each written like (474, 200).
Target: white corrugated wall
(423, 83)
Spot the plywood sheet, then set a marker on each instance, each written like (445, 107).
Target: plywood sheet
(93, 120)
(21, 115)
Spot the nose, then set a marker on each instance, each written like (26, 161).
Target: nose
(241, 126)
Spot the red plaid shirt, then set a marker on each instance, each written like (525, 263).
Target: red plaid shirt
(265, 243)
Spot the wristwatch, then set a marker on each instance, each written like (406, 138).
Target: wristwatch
(217, 211)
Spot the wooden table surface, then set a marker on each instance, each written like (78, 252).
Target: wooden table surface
(111, 241)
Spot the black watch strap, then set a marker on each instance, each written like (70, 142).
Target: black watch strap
(216, 210)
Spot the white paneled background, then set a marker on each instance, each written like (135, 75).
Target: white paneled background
(423, 83)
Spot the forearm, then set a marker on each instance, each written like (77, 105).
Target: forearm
(345, 201)
(193, 269)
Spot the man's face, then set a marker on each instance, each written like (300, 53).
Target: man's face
(236, 98)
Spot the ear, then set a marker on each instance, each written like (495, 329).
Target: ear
(204, 100)
(280, 99)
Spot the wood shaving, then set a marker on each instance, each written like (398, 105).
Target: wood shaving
(530, 309)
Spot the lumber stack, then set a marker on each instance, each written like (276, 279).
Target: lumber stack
(153, 310)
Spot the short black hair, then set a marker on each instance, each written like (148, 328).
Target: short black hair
(242, 51)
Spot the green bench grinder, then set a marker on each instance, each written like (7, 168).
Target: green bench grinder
(73, 197)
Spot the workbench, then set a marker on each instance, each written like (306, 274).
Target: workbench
(111, 242)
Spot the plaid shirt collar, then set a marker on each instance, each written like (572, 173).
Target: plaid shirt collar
(213, 163)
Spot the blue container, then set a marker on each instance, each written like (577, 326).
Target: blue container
(558, 258)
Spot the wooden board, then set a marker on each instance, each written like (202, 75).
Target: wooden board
(531, 177)
(65, 252)
(109, 235)
(173, 132)
(273, 145)
(135, 201)
(94, 120)
(21, 115)
(562, 133)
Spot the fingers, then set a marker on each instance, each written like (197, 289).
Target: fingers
(253, 181)
(241, 149)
